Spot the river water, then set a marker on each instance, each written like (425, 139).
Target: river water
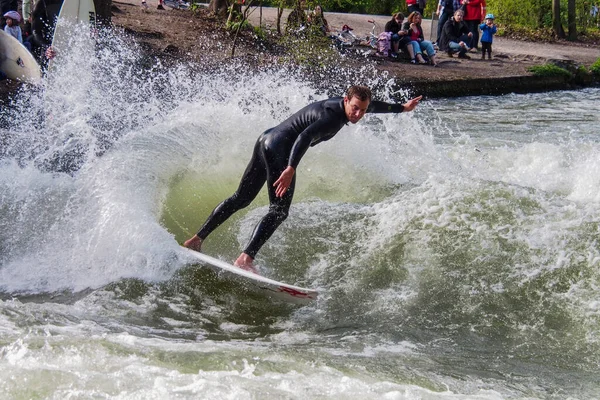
(456, 248)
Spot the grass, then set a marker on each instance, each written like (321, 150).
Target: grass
(548, 70)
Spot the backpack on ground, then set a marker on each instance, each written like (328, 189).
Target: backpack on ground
(384, 41)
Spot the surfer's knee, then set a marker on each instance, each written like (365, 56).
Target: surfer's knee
(237, 202)
(279, 213)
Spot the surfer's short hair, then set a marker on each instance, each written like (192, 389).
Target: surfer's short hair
(363, 93)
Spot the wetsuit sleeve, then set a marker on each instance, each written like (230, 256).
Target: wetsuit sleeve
(315, 132)
(380, 107)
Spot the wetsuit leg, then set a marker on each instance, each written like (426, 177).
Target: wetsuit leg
(252, 181)
(279, 206)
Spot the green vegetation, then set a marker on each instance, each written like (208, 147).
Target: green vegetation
(535, 17)
(549, 70)
(532, 18)
(595, 68)
(309, 47)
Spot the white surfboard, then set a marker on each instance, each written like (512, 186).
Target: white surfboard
(16, 61)
(72, 13)
(269, 287)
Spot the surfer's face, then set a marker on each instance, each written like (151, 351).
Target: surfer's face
(355, 108)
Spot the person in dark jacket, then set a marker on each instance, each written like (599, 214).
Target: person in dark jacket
(276, 156)
(444, 11)
(400, 39)
(43, 21)
(456, 37)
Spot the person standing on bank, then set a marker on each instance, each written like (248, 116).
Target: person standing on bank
(445, 11)
(488, 30)
(276, 156)
(474, 12)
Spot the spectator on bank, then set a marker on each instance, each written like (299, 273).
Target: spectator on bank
(26, 8)
(400, 39)
(416, 6)
(43, 20)
(488, 30)
(474, 12)
(456, 37)
(445, 11)
(297, 18)
(318, 21)
(419, 44)
(12, 27)
(6, 6)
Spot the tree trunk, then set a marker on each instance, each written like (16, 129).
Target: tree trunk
(218, 7)
(571, 8)
(556, 23)
(279, 14)
(103, 12)
(239, 27)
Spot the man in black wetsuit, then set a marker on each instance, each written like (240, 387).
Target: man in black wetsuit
(276, 156)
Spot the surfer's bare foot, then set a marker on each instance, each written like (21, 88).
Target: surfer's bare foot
(244, 261)
(193, 243)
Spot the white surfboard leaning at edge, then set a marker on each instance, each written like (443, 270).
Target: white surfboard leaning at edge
(72, 13)
(16, 61)
(269, 287)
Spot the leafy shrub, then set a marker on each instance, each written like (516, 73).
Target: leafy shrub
(595, 68)
(549, 70)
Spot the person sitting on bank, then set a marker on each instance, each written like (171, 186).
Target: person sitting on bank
(276, 156)
(456, 37)
(419, 44)
(12, 27)
(400, 39)
(445, 11)
(317, 20)
(297, 19)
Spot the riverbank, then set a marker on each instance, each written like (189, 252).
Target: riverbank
(183, 34)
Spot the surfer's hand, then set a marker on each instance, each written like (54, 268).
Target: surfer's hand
(50, 53)
(412, 103)
(283, 183)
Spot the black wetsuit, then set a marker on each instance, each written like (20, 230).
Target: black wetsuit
(275, 150)
(43, 21)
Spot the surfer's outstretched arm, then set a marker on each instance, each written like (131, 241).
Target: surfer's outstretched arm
(381, 107)
(412, 103)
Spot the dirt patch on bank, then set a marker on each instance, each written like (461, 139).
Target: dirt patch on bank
(198, 36)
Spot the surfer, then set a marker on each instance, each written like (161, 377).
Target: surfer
(43, 21)
(276, 156)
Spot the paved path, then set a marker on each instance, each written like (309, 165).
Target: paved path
(358, 22)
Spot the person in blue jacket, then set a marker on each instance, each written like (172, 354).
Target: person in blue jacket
(276, 156)
(488, 29)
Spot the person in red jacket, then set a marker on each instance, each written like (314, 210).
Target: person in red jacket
(415, 5)
(474, 13)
